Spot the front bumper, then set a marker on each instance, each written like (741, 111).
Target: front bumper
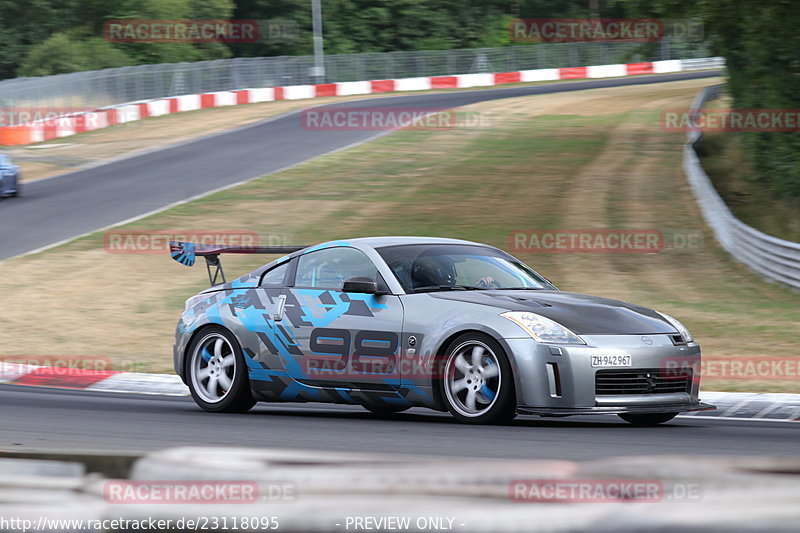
(602, 410)
(559, 380)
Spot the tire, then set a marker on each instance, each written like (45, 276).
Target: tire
(477, 384)
(647, 420)
(385, 410)
(230, 392)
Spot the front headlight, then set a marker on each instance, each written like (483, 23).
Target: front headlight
(687, 337)
(543, 329)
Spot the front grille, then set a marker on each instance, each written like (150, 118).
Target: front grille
(642, 381)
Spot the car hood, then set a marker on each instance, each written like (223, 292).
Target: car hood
(581, 313)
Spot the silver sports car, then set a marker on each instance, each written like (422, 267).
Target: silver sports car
(391, 323)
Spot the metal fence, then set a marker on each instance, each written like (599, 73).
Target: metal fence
(145, 82)
(771, 257)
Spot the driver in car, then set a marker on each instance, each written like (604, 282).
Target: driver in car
(439, 271)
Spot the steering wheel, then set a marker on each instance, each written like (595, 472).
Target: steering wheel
(488, 283)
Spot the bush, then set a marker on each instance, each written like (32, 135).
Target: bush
(61, 53)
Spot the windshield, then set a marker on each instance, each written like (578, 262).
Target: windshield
(425, 267)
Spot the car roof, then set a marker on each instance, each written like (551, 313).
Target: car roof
(367, 245)
(378, 242)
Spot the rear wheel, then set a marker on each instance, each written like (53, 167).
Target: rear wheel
(217, 373)
(647, 420)
(477, 382)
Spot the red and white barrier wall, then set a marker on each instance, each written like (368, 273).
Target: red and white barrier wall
(93, 380)
(121, 114)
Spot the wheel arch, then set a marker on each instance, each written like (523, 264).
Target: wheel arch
(449, 339)
(184, 354)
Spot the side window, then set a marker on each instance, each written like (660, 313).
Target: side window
(276, 276)
(328, 269)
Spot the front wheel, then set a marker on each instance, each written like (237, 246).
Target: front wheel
(647, 420)
(217, 373)
(477, 382)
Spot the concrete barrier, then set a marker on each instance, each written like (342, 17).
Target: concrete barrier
(335, 492)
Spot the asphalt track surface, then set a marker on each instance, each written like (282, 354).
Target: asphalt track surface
(42, 419)
(70, 205)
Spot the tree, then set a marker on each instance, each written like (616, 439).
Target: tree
(61, 53)
(24, 24)
(760, 44)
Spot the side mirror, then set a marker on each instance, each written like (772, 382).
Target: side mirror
(360, 284)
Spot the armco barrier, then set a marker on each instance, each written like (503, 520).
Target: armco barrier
(131, 111)
(774, 258)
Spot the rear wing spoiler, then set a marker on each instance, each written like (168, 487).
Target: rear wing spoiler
(186, 252)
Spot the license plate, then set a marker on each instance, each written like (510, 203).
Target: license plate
(611, 360)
